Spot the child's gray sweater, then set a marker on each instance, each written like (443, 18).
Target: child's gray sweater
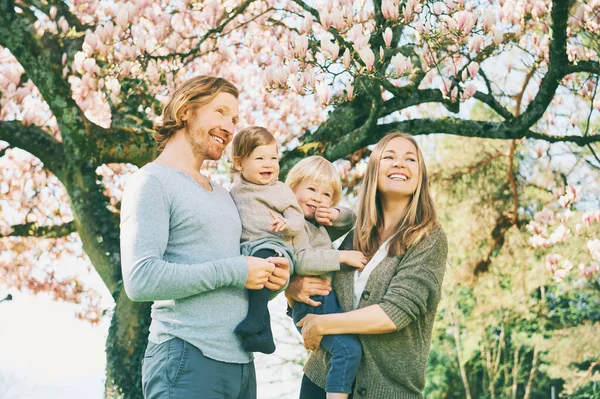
(254, 203)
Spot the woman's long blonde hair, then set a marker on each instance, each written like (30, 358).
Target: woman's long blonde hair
(420, 216)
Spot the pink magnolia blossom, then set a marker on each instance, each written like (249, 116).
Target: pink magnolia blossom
(307, 24)
(325, 18)
(407, 13)
(590, 217)
(552, 261)
(475, 44)
(438, 8)
(454, 93)
(323, 91)
(398, 61)
(63, 24)
(573, 120)
(594, 248)
(337, 19)
(463, 76)
(464, 22)
(368, 57)
(122, 19)
(92, 40)
(329, 48)
(538, 241)
(498, 35)
(300, 46)
(446, 86)
(296, 83)
(488, 21)
(470, 90)
(346, 59)
(473, 68)
(349, 90)
(589, 272)
(540, 148)
(389, 9)
(559, 234)
(387, 37)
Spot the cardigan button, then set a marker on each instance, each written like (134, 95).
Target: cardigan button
(362, 391)
(365, 295)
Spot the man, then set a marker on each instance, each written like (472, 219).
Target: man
(180, 247)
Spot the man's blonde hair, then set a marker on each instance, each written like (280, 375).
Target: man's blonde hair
(247, 139)
(318, 170)
(419, 219)
(193, 93)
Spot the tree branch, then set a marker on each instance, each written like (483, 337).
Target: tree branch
(460, 127)
(557, 68)
(408, 96)
(41, 60)
(35, 141)
(33, 230)
(491, 102)
(219, 29)
(585, 66)
(124, 145)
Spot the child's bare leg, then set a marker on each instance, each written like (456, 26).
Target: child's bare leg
(332, 395)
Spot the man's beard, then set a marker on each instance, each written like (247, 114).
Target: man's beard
(199, 147)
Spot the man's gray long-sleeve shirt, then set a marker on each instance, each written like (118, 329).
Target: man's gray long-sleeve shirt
(180, 247)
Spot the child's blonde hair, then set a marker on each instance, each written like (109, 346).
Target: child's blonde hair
(247, 139)
(319, 170)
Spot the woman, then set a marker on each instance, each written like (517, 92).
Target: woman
(392, 303)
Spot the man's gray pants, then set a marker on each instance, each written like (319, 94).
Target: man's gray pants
(178, 370)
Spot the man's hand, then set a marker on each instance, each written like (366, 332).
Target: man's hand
(354, 258)
(325, 216)
(278, 222)
(280, 275)
(259, 272)
(302, 288)
(311, 331)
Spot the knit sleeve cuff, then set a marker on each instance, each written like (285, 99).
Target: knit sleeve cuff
(399, 317)
(232, 272)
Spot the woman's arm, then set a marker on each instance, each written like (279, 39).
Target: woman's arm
(369, 320)
(406, 298)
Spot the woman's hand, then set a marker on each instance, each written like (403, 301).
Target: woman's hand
(311, 331)
(280, 275)
(302, 288)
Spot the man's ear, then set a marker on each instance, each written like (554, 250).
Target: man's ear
(185, 115)
(237, 163)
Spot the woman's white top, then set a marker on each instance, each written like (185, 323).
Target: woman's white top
(360, 278)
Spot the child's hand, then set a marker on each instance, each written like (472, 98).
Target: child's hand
(354, 258)
(326, 216)
(278, 222)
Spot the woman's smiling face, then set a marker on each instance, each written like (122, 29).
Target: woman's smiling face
(398, 169)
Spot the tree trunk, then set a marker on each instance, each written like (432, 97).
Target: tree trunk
(515, 373)
(534, 366)
(125, 346)
(463, 372)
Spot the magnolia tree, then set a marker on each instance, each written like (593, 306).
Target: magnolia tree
(550, 228)
(81, 83)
